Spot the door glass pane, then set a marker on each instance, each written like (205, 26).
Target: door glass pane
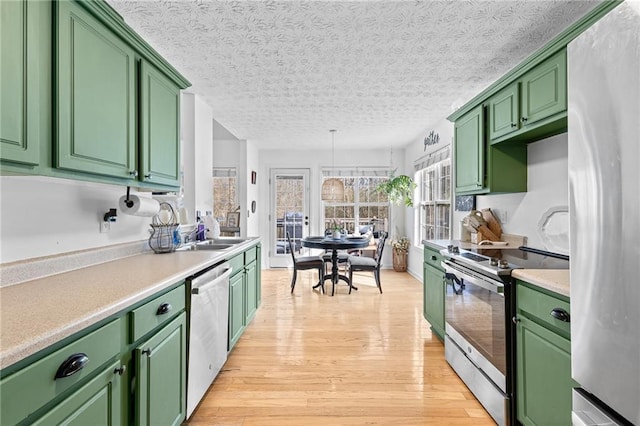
(289, 209)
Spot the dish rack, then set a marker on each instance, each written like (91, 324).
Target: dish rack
(165, 235)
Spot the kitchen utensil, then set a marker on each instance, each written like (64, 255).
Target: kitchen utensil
(480, 226)
(165, 236)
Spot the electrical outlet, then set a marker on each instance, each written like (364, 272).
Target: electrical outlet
(503, 216)
(105, 227)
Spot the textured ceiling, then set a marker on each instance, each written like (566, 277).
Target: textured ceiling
(282, 73)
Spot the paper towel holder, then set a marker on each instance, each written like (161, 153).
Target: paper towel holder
(127, 201)
(111, 215)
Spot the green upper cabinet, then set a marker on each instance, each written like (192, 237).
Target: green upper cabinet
(504, 112)
(532, 107)
(95, 96)
(544, 90)
(469, 151)
(20, 68)
(159, 127)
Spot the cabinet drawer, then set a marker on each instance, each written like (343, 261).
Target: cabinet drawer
(30, 388)
(250, 255)
(156, 312)
(539, 305)
(432, 257)
(237, 264)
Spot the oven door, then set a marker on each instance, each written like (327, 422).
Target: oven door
(476, 320)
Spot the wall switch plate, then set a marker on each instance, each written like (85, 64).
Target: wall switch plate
(105, 227)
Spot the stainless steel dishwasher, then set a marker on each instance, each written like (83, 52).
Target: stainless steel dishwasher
(209, 319)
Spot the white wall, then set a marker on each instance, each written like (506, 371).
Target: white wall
(197, 153)
(413, 152)
(547, 186)
(42, 216)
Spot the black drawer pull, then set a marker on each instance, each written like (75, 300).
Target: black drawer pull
(147, 352)
(560, 314)
(72, 365)
(163, 309)
(121, 370)
(434, 258)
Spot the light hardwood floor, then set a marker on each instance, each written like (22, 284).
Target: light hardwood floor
(364, 358)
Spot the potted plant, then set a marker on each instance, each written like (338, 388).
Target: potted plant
(399, 189)
(400, 248)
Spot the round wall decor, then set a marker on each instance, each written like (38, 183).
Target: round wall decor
(253, 206)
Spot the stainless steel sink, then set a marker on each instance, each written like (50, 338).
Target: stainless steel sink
(224, 240)
(205, 246)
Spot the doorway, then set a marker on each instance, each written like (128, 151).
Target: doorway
(289, 213)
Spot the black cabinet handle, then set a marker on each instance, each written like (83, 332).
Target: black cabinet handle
(523, 119)
(148, 176)
(120, 371)
(560, 314)
(147, 352)
(434, 258)
(72, 365)
(163, 309)
(514, 125)
(515, 320)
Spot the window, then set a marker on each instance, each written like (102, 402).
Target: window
(362, 204)
(225, 198)
(433, 194)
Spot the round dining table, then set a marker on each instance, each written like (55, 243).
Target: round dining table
(335, 244)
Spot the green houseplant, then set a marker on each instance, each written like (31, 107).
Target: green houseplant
(399, 189)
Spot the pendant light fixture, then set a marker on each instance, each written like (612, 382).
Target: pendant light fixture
(332, 188)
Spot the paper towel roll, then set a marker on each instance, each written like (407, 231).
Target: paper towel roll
(141, 206)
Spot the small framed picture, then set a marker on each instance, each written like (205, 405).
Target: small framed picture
(253, 177)
(233, 219)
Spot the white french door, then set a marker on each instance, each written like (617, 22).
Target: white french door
(289, 213)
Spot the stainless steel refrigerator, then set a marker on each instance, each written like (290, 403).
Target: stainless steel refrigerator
(604, 192)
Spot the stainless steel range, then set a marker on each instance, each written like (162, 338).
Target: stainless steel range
(478, 304)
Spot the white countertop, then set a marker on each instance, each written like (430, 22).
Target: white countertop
(38, 313)
(556, 280)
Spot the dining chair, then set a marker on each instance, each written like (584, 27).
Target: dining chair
(363, 263)
(301, 263)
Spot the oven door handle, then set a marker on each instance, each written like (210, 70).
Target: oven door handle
(480, 282)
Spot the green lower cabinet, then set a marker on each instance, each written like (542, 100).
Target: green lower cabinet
(433, 303)
(251, 277)
(161, 376)
(237, 315)
(543, 356)
(543, 375)
(99, 402)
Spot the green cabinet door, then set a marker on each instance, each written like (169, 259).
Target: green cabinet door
(469, 152)
(95, 96)
(433, 294)
(19, 61)
(161, 376)
(251, 280)
(258, 275)
(237, 315)
(543, 375)
(503, 112)
(544, 89)
(99, 402)
(159, 127)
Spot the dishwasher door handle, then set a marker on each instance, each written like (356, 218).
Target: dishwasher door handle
(203, 288)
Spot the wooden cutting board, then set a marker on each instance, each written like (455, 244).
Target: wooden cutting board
(492, 222)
